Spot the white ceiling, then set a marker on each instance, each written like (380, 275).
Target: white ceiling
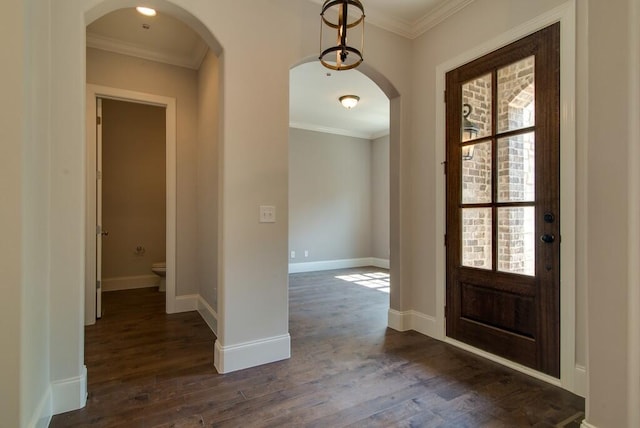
(313, 94)
(167, 40)
(314, 104)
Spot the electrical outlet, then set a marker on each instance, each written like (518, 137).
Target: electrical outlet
(306, 253)
(293, 254)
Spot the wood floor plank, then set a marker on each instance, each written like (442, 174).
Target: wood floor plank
(149, 369)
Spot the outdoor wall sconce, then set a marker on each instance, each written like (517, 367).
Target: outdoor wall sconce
(469, 132)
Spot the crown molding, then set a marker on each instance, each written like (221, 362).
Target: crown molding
(192, 61)
(412, 30)
(437, 15)
(398, 26)
(337, 131)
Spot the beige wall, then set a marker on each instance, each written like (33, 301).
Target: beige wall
(125, 72)
(13, 141)
(35, 333)
(208, 177)
(380, 198)
(608, 232)
(329, 196)
(24, 210)
(133, 188)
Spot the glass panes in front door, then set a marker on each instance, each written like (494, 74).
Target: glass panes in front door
(497, 152)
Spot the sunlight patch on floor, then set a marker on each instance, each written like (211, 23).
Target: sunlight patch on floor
(375, 280)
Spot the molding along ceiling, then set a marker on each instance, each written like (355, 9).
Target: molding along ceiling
(314, 90)
(191, 59)
(409, 18)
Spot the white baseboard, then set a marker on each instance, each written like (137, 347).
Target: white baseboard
(397, 320)
(186, 303)
(580, 381)
(130, 282)
(337, 264)
(208, 315)
(412, 320)
(586, 424)
(69, 394)
(231, 358)
(380, 263)
(42, 415)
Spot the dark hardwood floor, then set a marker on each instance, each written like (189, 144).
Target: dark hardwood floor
(149, 369)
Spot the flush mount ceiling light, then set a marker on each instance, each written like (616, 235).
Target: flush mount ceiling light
(343, 15)
(349, 101)
(146, 11)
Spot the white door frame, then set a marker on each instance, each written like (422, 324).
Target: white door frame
(572, 376)
(96, 91)
(98, 205)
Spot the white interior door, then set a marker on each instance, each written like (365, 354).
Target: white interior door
(99, 231)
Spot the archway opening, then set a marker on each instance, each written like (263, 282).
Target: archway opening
(178, 68)
(343, 181)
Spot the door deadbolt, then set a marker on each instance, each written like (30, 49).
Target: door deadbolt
(548, 238)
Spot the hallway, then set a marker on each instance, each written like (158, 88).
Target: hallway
(149, 369)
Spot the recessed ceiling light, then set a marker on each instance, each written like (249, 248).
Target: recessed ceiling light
(146, 11)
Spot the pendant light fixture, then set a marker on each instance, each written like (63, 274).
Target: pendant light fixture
(341, 16)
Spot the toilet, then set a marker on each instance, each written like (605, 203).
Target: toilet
(160, 269)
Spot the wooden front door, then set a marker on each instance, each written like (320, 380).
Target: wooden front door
(503, 202)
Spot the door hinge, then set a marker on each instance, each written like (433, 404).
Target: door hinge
(444, 167)
(98, 120)
(444, 93)
(445, 311)
(446, 240)
(99, 175)
(98, 285)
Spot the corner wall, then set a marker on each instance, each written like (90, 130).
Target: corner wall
(24, 224)
(608, 267)
(208, 183)
(12, 135)
(380, 195)
(36, 397)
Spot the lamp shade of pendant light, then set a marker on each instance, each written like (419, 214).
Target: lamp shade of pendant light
(341, 16)
(349, 101)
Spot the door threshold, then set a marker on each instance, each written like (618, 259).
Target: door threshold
(504, 362)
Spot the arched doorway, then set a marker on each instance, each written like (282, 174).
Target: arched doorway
(390, 256)
(158, 60)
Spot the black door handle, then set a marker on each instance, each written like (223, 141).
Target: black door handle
(548, 238)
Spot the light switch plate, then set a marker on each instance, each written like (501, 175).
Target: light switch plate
(267, 214)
